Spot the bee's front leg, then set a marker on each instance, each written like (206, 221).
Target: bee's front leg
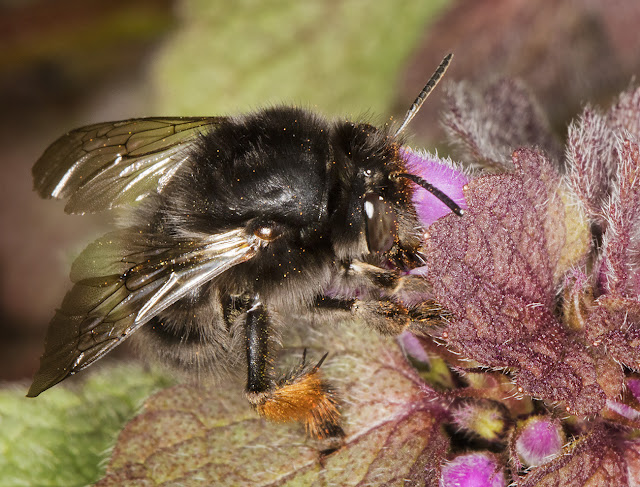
(407, 289)
(389, 302)
(386, 316)
(383, 315)
(301, 395)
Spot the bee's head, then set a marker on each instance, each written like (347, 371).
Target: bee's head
(370, 207)
(369, 198)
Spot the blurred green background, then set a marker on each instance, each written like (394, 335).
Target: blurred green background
(69, 63)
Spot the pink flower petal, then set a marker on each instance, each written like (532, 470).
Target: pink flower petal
(472, 470)
(539, 441)
(441, 175)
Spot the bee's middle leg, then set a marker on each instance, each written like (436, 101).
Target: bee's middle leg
(383, 315)
(259, 381)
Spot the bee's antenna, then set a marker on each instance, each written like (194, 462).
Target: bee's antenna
(428, 88)
(453, 206)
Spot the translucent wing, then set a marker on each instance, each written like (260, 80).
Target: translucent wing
(112, 298)
(111, 164)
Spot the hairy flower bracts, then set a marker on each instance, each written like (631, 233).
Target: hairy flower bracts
(541, 283)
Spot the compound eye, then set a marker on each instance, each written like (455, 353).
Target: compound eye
(267, 233)
(381, 224)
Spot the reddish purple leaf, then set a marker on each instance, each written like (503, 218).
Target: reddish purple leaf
(492, 124)
(619, 266)
(590, 148)
(595, 151)
(494, 270)
(624, 116)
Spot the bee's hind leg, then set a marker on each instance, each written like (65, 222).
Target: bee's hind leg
(301, 395)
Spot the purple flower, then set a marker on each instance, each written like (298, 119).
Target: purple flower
(633, 384)
(539, 440)
(473, 470)
(413, 348)
(442, 174)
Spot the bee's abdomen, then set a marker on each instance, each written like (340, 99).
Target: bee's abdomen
(193, 336)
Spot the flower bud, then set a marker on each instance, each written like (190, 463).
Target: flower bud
(539, 440)
(484, 419)
(473, 470)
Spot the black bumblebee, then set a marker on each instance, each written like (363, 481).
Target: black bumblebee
(234, 221)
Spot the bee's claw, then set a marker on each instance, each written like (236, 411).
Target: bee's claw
(320, 362)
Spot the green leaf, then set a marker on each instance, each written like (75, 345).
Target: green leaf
(339, 58)
(60, 438)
